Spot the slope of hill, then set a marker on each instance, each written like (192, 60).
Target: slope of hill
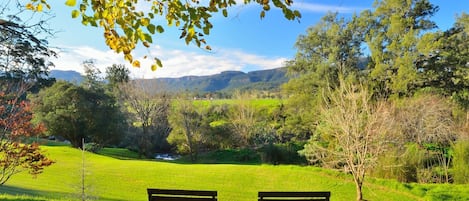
(69, 75)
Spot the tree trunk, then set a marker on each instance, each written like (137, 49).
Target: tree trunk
(191, 148)
(142, 149)
(358, 186)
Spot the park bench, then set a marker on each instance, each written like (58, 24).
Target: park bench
(294, 196)
(180, 195)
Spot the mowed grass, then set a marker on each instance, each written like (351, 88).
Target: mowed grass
(109, 178)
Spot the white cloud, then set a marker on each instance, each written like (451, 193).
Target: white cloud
(71, 58)
(176, 63)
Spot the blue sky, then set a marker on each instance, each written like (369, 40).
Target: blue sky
(241, 42)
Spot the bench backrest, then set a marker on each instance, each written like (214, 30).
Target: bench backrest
(180, 195)
(294, 196)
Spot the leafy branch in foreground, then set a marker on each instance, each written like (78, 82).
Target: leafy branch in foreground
(127, 23)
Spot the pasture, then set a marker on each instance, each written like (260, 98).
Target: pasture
(123, 178)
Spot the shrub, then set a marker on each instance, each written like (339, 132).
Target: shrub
(461, 162)
(282, 153)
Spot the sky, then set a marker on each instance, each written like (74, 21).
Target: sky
(241, 42)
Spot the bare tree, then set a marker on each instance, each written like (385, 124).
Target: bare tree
(243, 118)
(146, 103)
(352, 133)
(427, 121)
(186, 123)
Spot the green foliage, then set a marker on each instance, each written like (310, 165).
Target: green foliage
(461, 162)
(117, 74)
(330, 48)
(187, 132)
(406, 59)
(283, 153)
(395, 28)
(322, 54)
(401, 163)
(74, 113)
(216, 132)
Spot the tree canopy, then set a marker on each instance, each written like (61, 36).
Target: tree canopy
(75, 112)
(127, 23)
(396, 51)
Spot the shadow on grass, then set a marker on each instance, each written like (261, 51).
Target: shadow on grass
(187, 161)
(231, 156)
(10, 193)
(119, 153)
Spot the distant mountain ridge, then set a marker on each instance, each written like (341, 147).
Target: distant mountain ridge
(229, 80)
(67, 75)
(268, 80)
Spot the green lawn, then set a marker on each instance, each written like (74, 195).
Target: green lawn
(110, 178)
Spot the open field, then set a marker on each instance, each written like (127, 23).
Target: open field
(114, 179)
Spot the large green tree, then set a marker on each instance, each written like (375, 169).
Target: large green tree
(394, 29)
(127, 23)
(449, 63)
(329, 48)
(74, 113)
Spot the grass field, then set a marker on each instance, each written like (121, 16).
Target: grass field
(122, 178)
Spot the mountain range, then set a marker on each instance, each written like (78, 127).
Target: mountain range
(266, 80)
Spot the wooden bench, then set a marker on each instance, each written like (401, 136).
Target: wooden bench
(180, 195)
(294, 196)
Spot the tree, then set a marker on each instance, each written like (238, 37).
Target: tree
(352, 132)
(74, 113)
(117, 74)
(92, 79)
(15, 128)
(217, 132)
(107, 124)
(394, 28)
(148, 107)
(448, 64)
(23, 63)
(186, 131)
(426, 120)
(23, 55)
(330, 48)
(125, 25)
(243, 118)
